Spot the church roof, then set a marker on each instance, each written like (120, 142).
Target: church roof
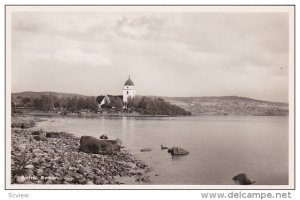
(129, 82)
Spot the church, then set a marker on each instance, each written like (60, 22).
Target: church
(128, 90)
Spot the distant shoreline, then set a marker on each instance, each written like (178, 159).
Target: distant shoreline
(41, 114)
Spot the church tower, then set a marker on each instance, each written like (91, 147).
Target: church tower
(128, 90)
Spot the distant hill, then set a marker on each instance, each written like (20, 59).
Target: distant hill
(39, 94)
(229, 105)
(216, 105)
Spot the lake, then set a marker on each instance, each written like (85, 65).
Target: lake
(220, 147)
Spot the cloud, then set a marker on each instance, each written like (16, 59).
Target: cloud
(142, 27)
(178, 54)
(75, 55)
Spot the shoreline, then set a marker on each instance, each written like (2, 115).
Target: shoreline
(93, 115)
(36, 159)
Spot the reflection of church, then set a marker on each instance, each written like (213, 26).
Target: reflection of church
(128, 90)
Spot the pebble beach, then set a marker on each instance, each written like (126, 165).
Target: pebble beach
(57, 160)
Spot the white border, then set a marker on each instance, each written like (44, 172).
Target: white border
(289, 9)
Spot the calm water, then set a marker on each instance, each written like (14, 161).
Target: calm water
(220, 147)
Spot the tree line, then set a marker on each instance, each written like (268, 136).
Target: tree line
(154, 106)
(49, 102)
(142, 105)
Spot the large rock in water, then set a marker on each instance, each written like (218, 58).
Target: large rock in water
(178, 151)
(146, 149)
(90, 144)
(242, 179)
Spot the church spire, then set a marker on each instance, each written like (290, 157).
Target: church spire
(129, 89)
(129, 82)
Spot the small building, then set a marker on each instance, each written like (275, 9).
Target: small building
(128, 90)
(103, 100)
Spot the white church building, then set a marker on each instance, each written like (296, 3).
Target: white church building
(128, 90)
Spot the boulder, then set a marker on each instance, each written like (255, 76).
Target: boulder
(49, 150)
(178, 151)
(49, 182)
(242, 179)
(72, 168)
(53, 135)
(39, 171)
(14, 125)
(39, 138)
(90, 183)
(146, 149)
(29, 166)
(68, 179)
(90, 144)
(99, 180)
(103, 137)
(36, 132)
(20, 147)
(20, 179)
(37, 151)
(28, 124)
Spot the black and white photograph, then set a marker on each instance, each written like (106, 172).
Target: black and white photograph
(149, 97)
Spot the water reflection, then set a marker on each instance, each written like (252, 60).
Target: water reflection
(178, 157)
(124, 126)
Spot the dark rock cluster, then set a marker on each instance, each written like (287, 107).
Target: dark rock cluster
(242, 179)
(19, 123)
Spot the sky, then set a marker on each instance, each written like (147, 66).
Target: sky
(165, 53)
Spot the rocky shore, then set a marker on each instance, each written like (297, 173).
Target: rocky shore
(19, 122)
(57, 160)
